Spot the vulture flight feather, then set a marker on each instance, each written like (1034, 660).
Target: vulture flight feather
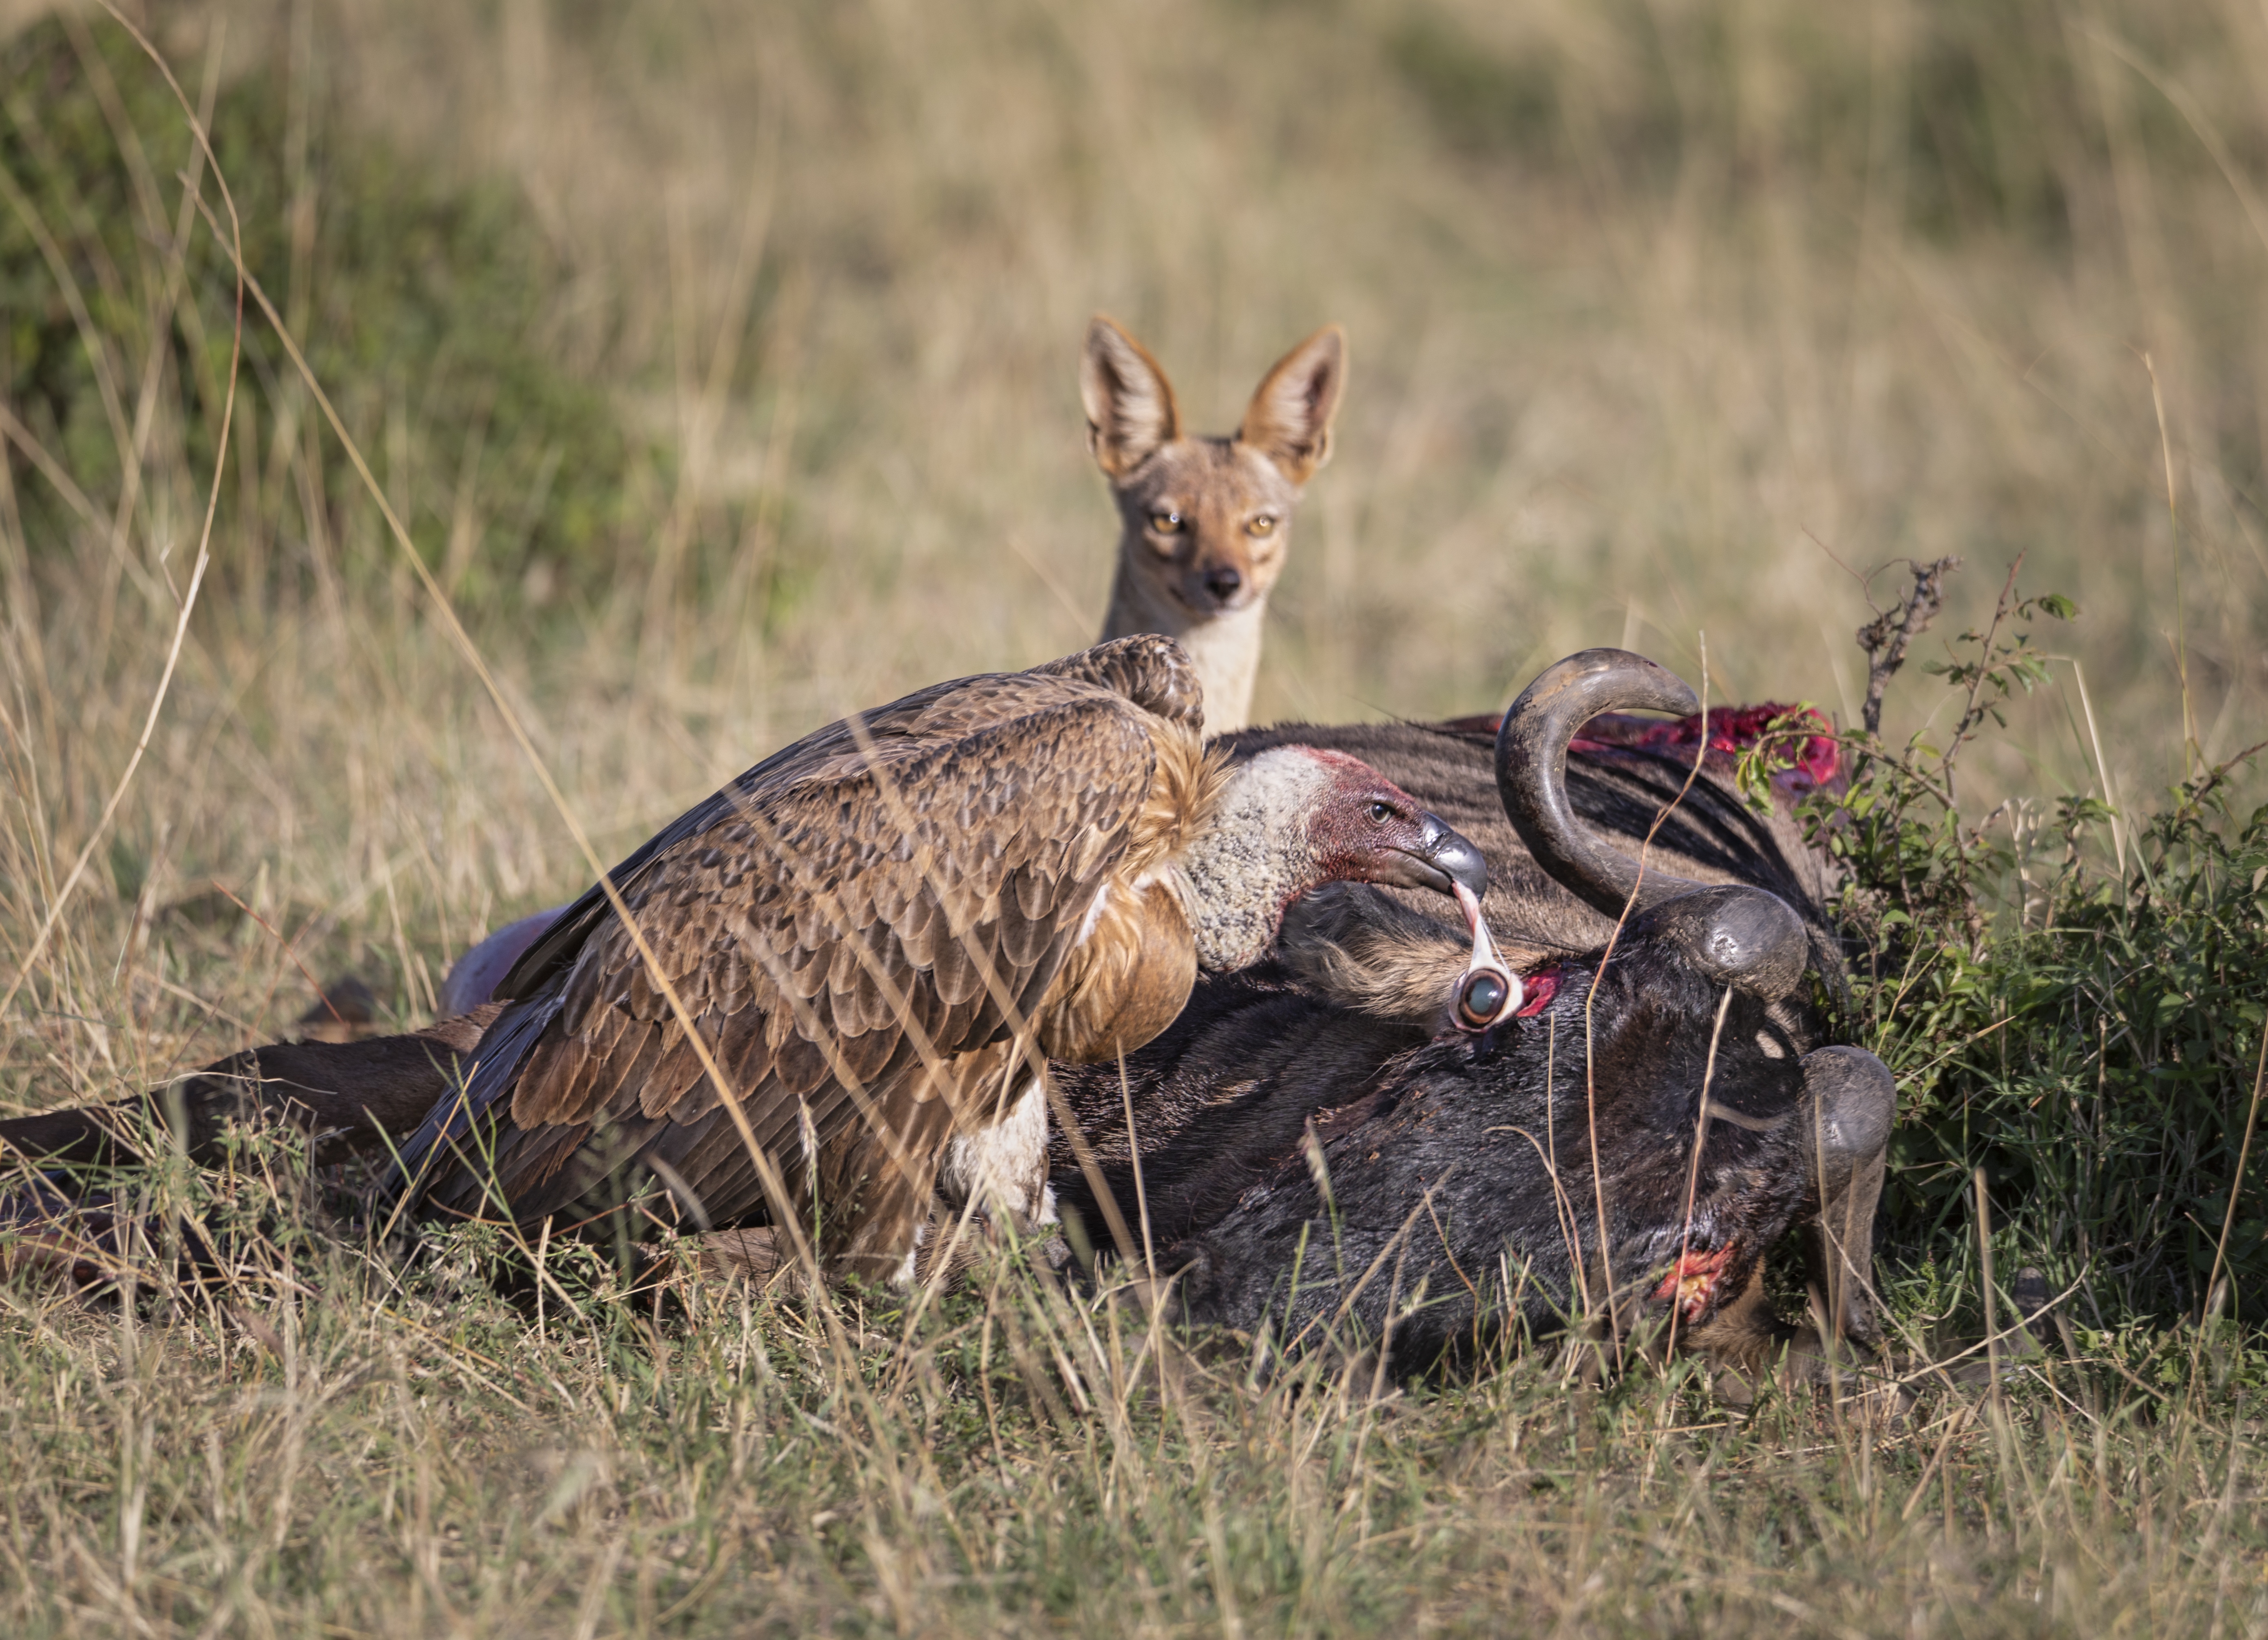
(877, 932)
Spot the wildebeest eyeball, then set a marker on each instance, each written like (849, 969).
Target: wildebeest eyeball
(1480, 998)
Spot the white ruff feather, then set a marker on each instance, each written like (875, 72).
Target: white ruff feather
(1003, 1168)
(1254, 857)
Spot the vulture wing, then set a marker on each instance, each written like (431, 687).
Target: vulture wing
(848, 925)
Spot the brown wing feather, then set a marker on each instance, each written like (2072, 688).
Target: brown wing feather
(849, 893)
(1154, 673)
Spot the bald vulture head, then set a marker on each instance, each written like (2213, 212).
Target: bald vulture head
(1295, 817)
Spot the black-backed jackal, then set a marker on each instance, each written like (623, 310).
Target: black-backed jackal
(1204, 522)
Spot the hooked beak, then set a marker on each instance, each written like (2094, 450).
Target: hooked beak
(1443, 860)
(1487, 991)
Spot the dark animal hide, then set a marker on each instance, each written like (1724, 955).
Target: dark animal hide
(1712, 835)
(1324, 1157)
(347, 1097)
(1330, 1176)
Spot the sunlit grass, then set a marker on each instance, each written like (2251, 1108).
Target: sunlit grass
(381, 1450)
(1647, 346)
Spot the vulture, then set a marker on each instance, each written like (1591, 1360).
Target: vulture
(873, 938)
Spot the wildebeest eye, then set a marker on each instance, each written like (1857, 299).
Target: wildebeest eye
(1480, 998)
(1381, 810)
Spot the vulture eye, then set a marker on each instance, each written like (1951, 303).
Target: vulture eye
(1380, 811)
(1480, 998)
(1165, 522)
(1262, 526)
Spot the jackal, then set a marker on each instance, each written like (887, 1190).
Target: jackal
(1204, 522)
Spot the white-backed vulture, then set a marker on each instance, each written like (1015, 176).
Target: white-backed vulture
(877, 930)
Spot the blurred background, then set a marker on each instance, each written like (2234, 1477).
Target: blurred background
(721, 360)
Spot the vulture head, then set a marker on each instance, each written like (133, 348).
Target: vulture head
(1296, 818)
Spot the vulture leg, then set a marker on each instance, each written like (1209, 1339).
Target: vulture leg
(869, 1201)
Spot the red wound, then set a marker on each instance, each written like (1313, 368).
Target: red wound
(1693, 1283)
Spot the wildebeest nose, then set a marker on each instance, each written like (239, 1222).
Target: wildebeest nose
(1224, 582)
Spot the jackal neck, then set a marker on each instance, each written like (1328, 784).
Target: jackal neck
(1226, 647)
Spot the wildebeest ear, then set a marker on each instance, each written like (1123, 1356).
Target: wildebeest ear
(1288, 420)
(1130, 404)
(1363, 951)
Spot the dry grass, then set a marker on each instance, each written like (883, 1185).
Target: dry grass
(387, 1459)
(1619, 376)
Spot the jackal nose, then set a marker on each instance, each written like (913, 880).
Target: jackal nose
(1224, 582)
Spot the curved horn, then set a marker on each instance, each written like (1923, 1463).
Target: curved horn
(1855, 1101)
(1531, 771)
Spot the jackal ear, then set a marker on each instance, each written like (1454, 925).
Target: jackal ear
(1288, 420)
(1130, 404)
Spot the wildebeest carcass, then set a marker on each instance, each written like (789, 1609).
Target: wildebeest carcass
(1348, 1141)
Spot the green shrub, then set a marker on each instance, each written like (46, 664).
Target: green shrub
(2082, 1021)
(424, 307)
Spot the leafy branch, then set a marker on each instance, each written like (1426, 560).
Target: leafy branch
(2000, 665)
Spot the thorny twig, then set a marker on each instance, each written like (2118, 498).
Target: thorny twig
(1888, 636)
(1973, 710)
(2194, 796)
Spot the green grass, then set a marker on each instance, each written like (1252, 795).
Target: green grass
(425, 302)
(1660, 317)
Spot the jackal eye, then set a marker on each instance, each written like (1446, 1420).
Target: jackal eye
(1262, 526)
(1166, 523)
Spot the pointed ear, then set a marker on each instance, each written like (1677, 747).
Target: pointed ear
(1130, 404)
(1288, 420)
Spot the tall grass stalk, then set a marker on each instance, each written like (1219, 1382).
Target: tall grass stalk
(1646, 303)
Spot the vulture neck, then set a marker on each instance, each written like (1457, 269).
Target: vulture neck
(1253, 857)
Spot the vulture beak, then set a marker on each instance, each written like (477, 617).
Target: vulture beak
(1442, 860)
(1487, 991)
